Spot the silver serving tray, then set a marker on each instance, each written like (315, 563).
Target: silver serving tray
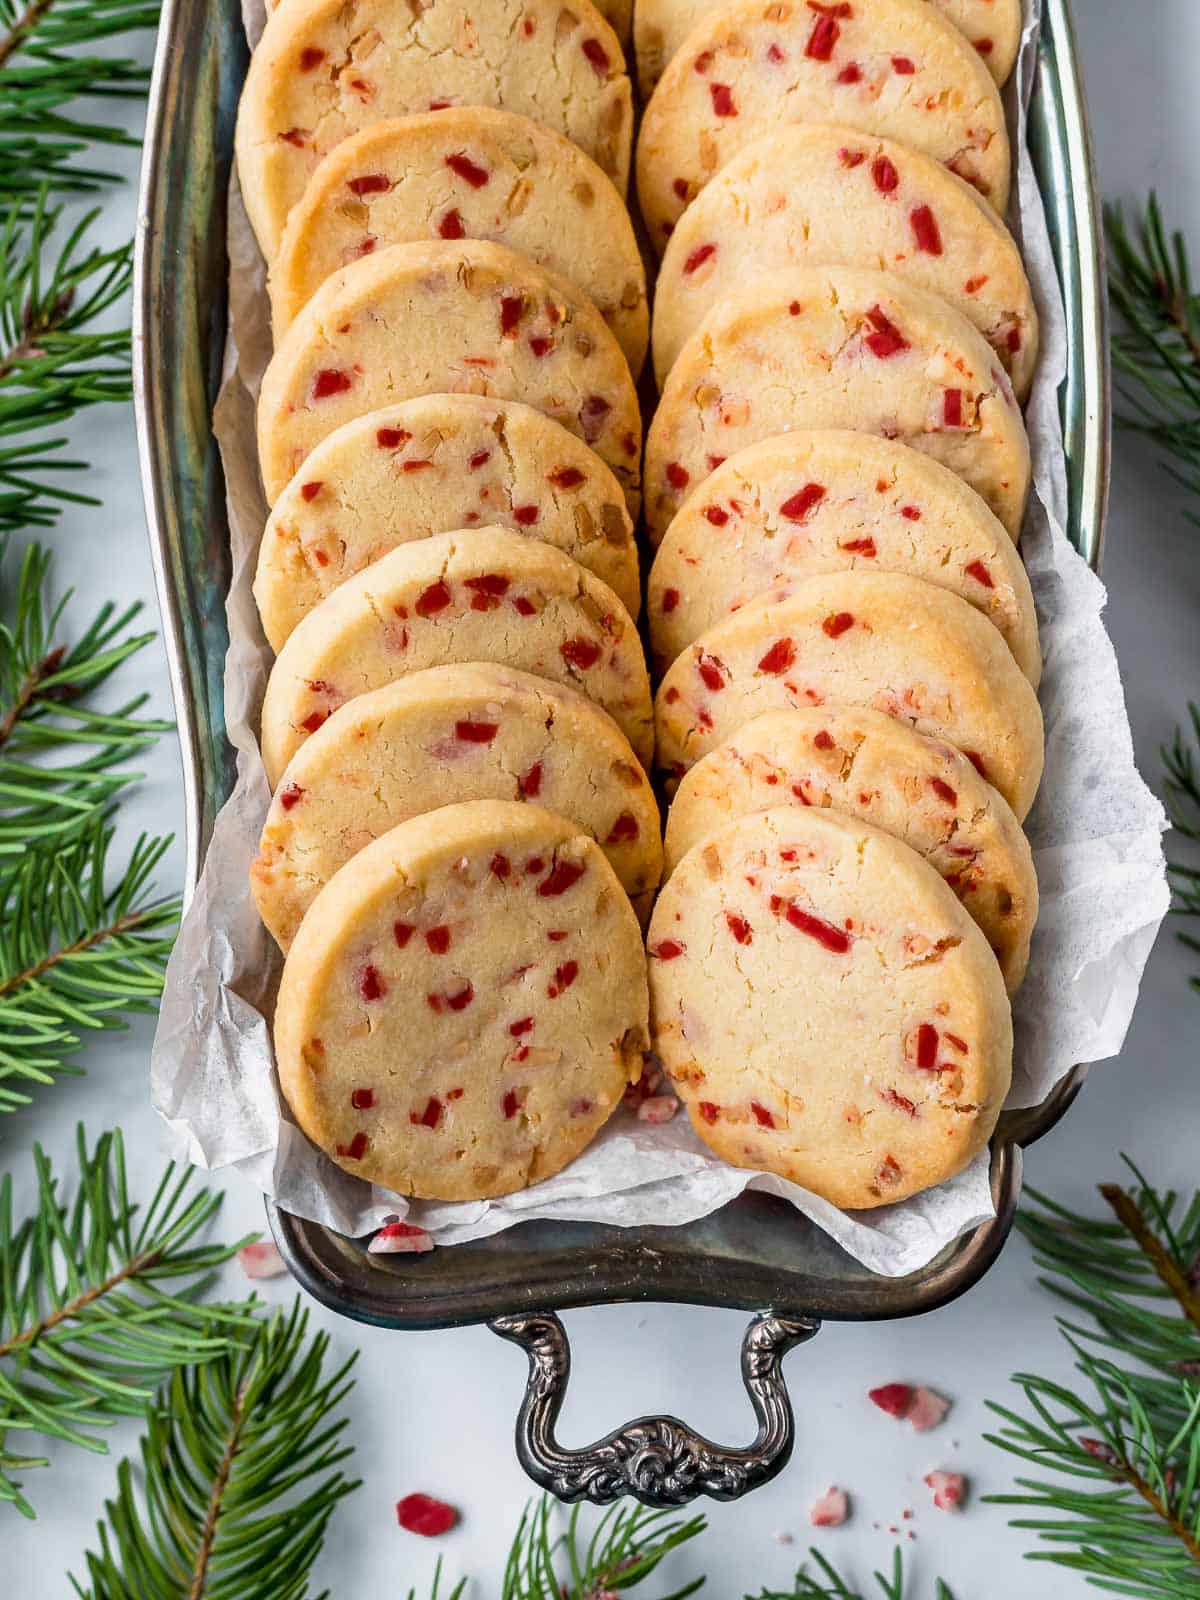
(757, 1253)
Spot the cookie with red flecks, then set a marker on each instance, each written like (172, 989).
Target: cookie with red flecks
(324, 71)
(480, 594)
(826, 1008)
(464, 1003)
(863, 764)
(660, 28)
(428, 465)
(464, 317)
(799, 504)
(837, 347)
(896, 68)
(812, 195)
(882, 641)
(467, 174)
(618, 13)
(472, 731)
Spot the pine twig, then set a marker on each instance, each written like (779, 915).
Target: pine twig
(1181, 763)
(625, 1548)
(76, 954)
(242, 1468)
(98, 1302)
(828, 1583)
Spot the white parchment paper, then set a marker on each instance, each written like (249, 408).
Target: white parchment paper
(1095, 832)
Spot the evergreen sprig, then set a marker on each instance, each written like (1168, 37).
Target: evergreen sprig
(1156, 345)
(1181, 762)
(98, 1302)
(828, 1584)
(78, 953)
(1125, 1508)
(49, 59)
(626, 1546)
(241, 1469)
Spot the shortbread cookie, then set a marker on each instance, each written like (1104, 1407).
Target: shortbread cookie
(447, 318)
(660, 28)
(464, 1004)
(428, 465)
(826, 1008)
(862, 764)
(816, 196)
(878, 640)
(324, 70)
(799, 504)
(618, 13)
(834, 347)
(891, 67)
(480, 594)
(467, 174)
(467, 732)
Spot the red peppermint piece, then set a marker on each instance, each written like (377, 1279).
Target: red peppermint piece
(825, 933)
(522, 1025)
(837, 623)
(370, 183)
(511, 307)
(797, 507)
(591, 417)
(581, 653)
(261, 1260)
(561, 877)
(597, 56)
(926, 1409)
(310, 57)
(670, 599)
(823, 740)
(315, 720)
(927, 1047)
(362, 1099)
(451, 1002)
(510, 1105)
(461, 164)
(541, 346)
(739, 927)
(525, 516)
(566, 477)
(822, 39)
(850, 73)
(903, 66)
(708, 1111)
(667, 950)
(829, 1510)
(886, 177)
(500, 866)
(564, 977)
(391, 438)
(451, 226)
(949, 1489)
(624, 829)
(476, 732)
(402, 932)
(712, 672)
(290, 795)
(400, 1238)
(421, 1513)
(894, 1398)
(943, 791)
(370, 983)
(885, 339)
(898, 1101)
(432, 600)
(475, 461)
(851, 158)
(910, 513)
(860, 547)
(310, 491)
(779, 658)
(698, 257)
(531, 783)
(430, 1114)
(330, 381)
(438, 939)
(925, 230)
(722, 100)
(678, 476)
(356, 1149)
(762, 1116)
(716, 515)
(980, 573)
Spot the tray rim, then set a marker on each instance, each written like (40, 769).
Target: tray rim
(614, 1264)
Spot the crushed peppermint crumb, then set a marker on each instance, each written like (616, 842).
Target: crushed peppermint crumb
(829, 1510)
(261, 1260)
(421, 1513)
(400, 1238)
(949, 1489)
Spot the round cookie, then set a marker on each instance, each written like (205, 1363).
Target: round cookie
(429, 465)
(878, 640)
(454, 318)
(862, 764)
(835, 347)
(472, 731)
(810, 195)
(480, 594)
(467, 173)
(465, 1003)
(324, 70)
(799, 504)
(890, 67)
(826, 1008)
(660, 28)
(617, 13)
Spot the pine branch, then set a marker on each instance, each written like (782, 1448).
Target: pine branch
(75, 954)
(1181, 761)
(625, 1548)
(43, 687)
(1128, 1514)
(1156, 349)
(46, 62)
(98, 1302)
(241, 1468)
(828, 1584)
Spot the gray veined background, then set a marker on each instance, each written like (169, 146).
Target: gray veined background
(434, 1411)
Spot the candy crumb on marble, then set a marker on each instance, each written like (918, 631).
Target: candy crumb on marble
(421, 1513)
(261, 1260)
(949, 1489)
(830, 1510)
(782, 1536)
(923, 1408)
(400, 1238)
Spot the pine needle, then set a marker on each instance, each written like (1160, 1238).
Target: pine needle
(98, 1302)
(828, 1584)
(241, 1472)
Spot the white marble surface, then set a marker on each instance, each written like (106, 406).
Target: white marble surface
(434, 1411)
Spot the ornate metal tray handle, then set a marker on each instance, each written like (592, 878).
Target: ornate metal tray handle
(658, 1460)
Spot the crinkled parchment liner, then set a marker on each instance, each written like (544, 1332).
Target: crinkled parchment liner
(1095, 833)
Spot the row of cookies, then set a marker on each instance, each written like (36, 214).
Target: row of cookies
(835, 480)
(456, 721)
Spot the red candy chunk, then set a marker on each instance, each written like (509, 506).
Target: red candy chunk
(261, 1260)
(362, 1099)
(797, 507)
(421, 1513)
(949, 1489)
(716, 515)
(886, 177)
(521, 1026)
(434, 599)
(356, 1149)
(779, 658)
(910, 513)
(829, 1510)
(952, 412)
(925, 230)
(566, 477)
(591, 416)
(678, 476)
(391, 438)
(403, 932)
(698, 257)
(667, 950)
(310, 491)
(430, 1114)
(821, 40)
(894, 1398)
(903, 66)
(927, 1409)
(837, 623)
(823, 740)
(927, 1047)
(564, 977)
(944, 792)
(851, 73)
(739, 927)
(885, 339)
(400, 1238)
(290, 795)
(531, 783)
(560, 878)
(510, 1105)
(370, 983)
(311, 57)
(722, 100)
(450, 225)
(898, 1101)
(500, 866)
(762, 1116)
(451, 1002)
(708, 1111)
(712, 673)
(624, 829)
(370, 183)
(825, 933)
(330, 381)
(670, 599)
(657, 1108)
(596, 56)
(580, 653)
(461, 164)
(860, 547)
(476, 732)
(977, 570)
(511, 308)
(438, 939)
